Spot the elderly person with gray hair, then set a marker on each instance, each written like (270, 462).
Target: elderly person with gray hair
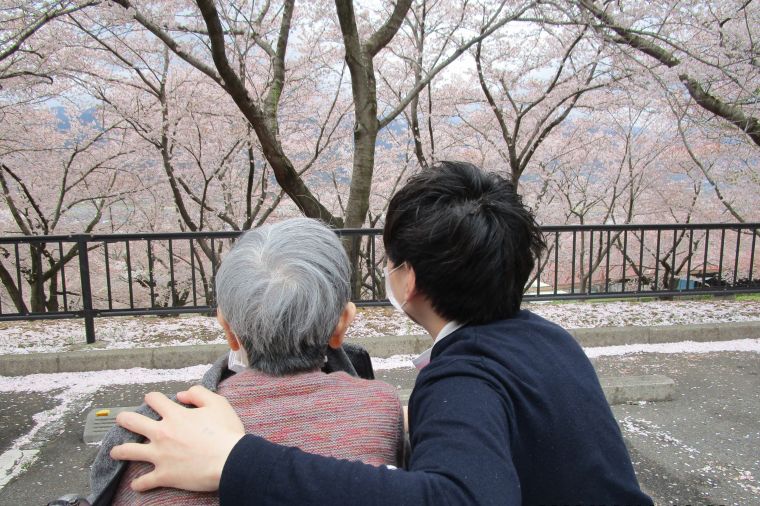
(283, 302)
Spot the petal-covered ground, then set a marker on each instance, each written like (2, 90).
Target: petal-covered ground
(135, 332)
(659, 429)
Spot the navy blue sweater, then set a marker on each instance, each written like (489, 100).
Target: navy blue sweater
(506, 413)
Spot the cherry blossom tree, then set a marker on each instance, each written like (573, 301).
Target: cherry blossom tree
(24, 54)
(58, 174)
(727, 162)
(538, 83)
(221, 115)
(710, 49)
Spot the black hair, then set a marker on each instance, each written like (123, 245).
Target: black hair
(469, 238)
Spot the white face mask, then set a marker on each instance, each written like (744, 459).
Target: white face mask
(389, 292)
(238, 359)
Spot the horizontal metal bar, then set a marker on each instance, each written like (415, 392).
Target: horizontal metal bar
(229, 234)
(372, 303)
(40, 316)
(29, 239)
(23, 239)
(154, 312)
(655, 226)
(641, 295)
(358, 231)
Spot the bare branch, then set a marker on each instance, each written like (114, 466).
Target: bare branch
(278, 60)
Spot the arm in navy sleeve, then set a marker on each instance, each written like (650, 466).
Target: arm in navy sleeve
(461, 455)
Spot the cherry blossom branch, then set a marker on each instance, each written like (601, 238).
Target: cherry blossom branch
(734, 115)
(486, 31)
(169, 41)
(283, 168)
(38, 23)
(17, 215)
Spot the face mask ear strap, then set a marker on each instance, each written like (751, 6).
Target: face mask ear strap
(389, 291)
(395, 268)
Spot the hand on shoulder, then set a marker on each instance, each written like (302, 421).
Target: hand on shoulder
(188, 447)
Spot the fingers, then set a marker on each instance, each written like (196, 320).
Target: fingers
(162, 404)
(137, 423)
(198, 396)
(132, 451)
(145, 482)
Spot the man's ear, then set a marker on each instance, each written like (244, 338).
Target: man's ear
(346, 317)
(411, 284)
(232, 340)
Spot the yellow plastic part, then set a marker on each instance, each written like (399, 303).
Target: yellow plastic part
(103, 412)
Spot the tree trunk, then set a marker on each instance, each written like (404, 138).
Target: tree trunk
(52, 305)
(13, 290)
(365, 136)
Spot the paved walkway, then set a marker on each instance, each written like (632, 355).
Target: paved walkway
(700, 448)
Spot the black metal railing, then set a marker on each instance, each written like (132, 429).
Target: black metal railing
(91, 276)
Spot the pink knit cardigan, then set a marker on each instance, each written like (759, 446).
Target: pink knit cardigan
(328, 414)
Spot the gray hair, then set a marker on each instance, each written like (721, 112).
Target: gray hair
(282, 289)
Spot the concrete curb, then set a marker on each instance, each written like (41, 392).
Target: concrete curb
(619, 389)
(627, 389)
(616, 336)
(170, 357)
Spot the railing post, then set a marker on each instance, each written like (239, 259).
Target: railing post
(84, 276)
(38, 294)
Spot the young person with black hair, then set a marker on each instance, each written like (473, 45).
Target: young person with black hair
(506, 409)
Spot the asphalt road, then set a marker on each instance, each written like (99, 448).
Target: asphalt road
(704, 446)
(700, 448)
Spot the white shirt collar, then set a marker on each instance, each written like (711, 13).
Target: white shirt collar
(423, 358)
